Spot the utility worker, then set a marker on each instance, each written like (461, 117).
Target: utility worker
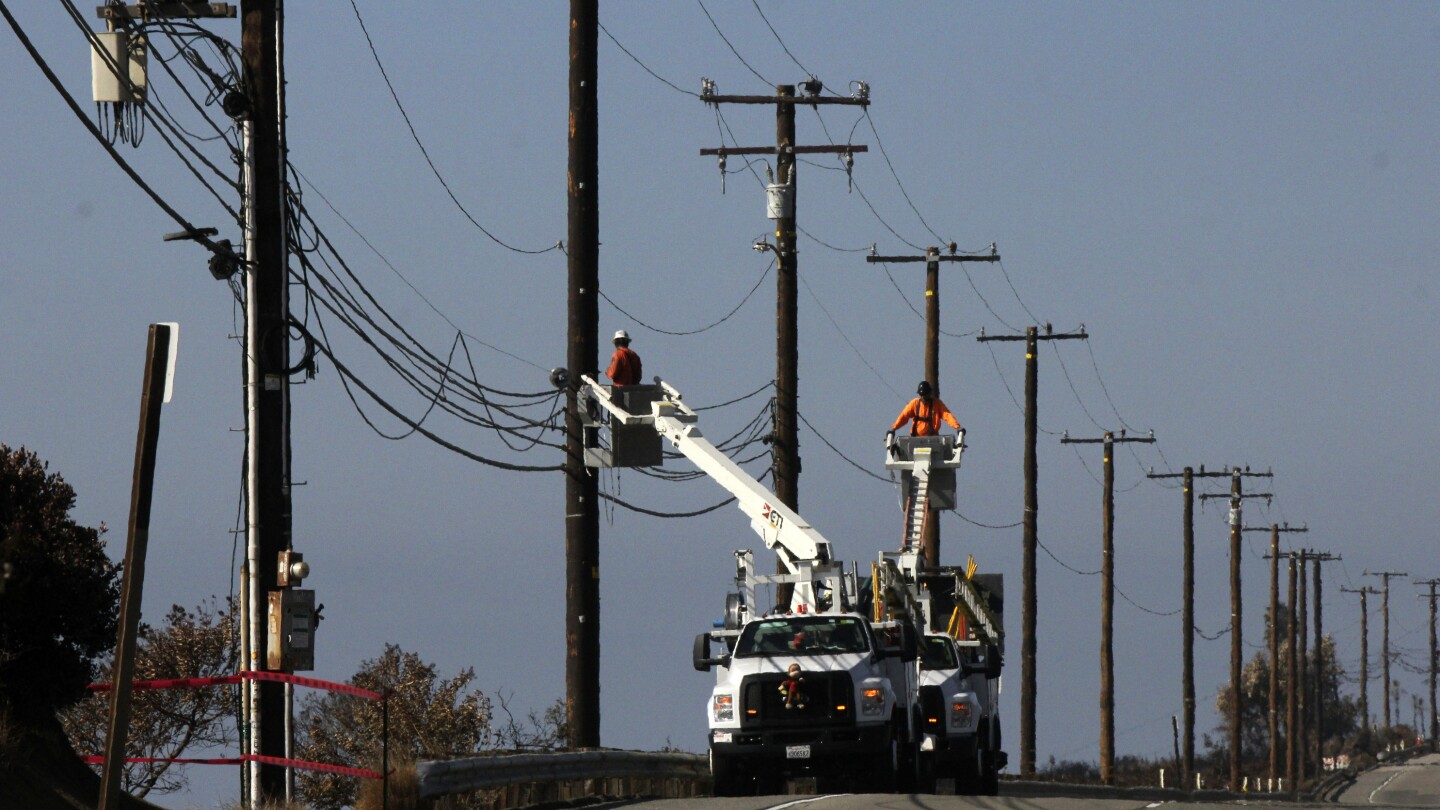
(924, 414)
(624, 363)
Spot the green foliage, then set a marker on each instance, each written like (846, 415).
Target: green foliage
(60, 595)
(164, 724)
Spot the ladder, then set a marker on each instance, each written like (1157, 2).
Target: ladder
(918, 500)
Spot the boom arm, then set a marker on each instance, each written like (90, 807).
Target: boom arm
(804, 552)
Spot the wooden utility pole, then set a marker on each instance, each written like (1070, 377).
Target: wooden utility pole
(1302, 731)
(1434, 723)
(930, 534)
(1107, 597)
(1386, 576)
(1032, 337)
(1274, 624)
(1364, 653)
(1319, 557)
(1292, 684)
(781, 195)
(267, 376)
(158, 368)
(1237, 693)
(1187, 616)
(582, 492)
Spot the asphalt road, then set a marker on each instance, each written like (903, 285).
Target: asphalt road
(1415, 783)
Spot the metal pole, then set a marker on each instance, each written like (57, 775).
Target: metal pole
(582, 512)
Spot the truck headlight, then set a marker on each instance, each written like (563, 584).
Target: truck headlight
(872, 702)
(723, 709)
(960, 712)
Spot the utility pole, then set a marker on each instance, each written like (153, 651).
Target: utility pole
(930, 533)
(1434, 719)
(582, 490)
(1302, 731)
(1292, 682)
(1107, 597)
(267, 374)
(1364, 653)
(1319, 557)
(1274, 557)
(1032, 337)
(1187, 617)
(1386, 576)
(1237, 694)
(785, 441)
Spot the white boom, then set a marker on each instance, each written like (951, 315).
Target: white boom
(804, 552)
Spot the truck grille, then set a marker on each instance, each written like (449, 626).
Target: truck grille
(828, 699)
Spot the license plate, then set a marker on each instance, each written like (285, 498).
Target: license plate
(797, 752)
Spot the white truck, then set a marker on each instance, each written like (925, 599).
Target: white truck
(961, 654)
(823, 686)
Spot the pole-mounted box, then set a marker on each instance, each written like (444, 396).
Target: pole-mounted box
(113, 55)
(292, 631)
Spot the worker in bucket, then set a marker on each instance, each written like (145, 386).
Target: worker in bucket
(624, 363)
(924, 414)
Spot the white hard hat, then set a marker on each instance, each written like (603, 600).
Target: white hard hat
(620, 334)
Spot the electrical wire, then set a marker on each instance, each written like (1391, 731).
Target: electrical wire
(783, 46)
(837, 450)
(845, 337)
(643, 66)
(426, 153)
(987, 525)
(731, 45)
(706, 328)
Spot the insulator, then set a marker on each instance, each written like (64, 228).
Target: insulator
(722, 173)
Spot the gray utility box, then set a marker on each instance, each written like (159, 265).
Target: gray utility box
(292, 631)
(630, 445)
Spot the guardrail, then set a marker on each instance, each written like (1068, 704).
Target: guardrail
(533, 778)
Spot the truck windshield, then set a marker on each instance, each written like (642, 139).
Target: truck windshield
(938, 653)
(808, 635)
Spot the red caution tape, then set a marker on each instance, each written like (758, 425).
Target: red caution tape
(300, 764)
(229, 680)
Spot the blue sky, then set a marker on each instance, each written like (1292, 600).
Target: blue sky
(1238, 201)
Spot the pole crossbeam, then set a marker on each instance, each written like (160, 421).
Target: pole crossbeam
(786, 101)
(785, 150)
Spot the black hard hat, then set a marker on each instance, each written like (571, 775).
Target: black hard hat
(924, 388)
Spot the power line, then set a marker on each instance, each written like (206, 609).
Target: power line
(426, 153)
(731, 45)
(705, 328)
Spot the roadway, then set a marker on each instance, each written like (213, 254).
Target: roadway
(1415, 783)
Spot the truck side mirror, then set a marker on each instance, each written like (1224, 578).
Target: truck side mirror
(992, 661)
(700, 654)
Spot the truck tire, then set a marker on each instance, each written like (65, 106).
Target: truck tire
(928, 775)
(722, 772)
(989, 774)
(969, 771)
(886, 769)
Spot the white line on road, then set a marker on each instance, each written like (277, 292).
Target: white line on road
(1382, 786)
(805, 801)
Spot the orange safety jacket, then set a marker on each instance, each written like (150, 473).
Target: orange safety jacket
(924, 417)
(624, 367)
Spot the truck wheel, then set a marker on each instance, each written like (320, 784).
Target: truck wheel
(722, 772)
(989, 774)
(927, 775)
(968, 772)
(887, 769)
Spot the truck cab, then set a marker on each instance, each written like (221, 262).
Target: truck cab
(808, 694)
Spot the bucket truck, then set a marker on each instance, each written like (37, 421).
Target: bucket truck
(961, 653)
(825, 685)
